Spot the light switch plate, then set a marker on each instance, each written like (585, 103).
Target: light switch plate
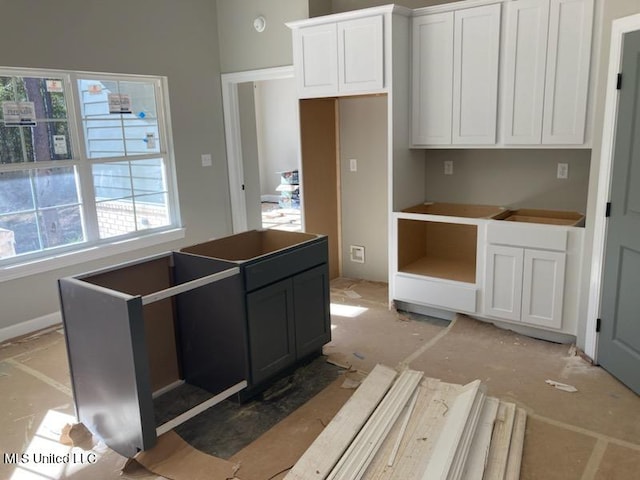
(206, 160)
(448, 167)
(353, 165)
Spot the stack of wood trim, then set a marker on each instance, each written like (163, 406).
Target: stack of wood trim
(409, 427)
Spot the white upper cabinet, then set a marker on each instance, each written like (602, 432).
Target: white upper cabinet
(315, 56)
(360, 55)
(547, 53)
(524, 70)
(339, 57)
(432, 78)
(455, 76)
(476, 48)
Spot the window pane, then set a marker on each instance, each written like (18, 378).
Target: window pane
(56, 187)
(47, 94)
(47, 141)
(141, 136)
(104, 138)
(24, 230)
(16, 194)
(152, 211)
(60, 226)
(116, 217)
(143, 99)
(148, 176)
(11, 144)
(94, 98)
(112, 180)
(39, 209)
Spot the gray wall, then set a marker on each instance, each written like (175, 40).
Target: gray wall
(363, 136)
(509, 178)
(242, 48)
(278, 131)
(250, 158)
(159, 37)
(611, 9)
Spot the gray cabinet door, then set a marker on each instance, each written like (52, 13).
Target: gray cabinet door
(311, 310)
(271, 330)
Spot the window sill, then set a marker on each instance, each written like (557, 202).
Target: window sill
(88, 254)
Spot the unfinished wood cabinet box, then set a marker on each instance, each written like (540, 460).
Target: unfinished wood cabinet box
(437, 249)
(137, 330)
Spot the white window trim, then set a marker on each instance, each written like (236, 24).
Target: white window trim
(93, 250)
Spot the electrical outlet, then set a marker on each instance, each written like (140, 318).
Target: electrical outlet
(448, 167)
(353, 165)
(205, 158)
(356, 253)
(563, 171)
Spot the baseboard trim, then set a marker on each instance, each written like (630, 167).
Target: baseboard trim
(30, 326)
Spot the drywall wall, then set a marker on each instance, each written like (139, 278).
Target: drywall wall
(608, 10)
(242, 47)
(278, 131)
(159, 37)
(250, 162)
(363, 137)
(510, 178)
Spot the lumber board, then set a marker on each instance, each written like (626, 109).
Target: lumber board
(432, 406)
(500, 441)
(479, 451)
(514, 460)
(323, 454)
(453, 444)
(403, 427)
(360, 453)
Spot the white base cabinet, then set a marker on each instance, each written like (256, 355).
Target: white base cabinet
(525, 285)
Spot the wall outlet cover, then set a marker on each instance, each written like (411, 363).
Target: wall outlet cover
(356, 253)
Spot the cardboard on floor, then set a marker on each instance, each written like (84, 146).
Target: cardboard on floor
(592, 434)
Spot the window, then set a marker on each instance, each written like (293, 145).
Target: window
(85, 160)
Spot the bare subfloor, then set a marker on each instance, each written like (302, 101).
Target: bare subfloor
(591, 434)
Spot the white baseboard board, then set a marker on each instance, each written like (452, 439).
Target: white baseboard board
(30, 326)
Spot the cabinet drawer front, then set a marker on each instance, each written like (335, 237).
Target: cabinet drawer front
(527, 235)
(281, 265)
(423, 291)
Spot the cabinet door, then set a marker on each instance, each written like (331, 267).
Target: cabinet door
(524, 66)
(315, 57)
(543, 288)
(503, 283)
(567, 79)
(271, 330)
(475, 74)
(311, 307)
(360, 55)
(432, 79)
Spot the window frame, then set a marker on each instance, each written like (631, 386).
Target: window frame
(93, 247)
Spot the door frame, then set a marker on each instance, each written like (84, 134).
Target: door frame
(619, 28)
(233, 141)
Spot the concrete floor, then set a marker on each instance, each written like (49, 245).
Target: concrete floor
(592, 434)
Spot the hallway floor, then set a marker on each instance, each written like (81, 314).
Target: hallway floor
(591, 434)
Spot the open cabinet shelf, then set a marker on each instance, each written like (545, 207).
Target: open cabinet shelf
(437, 249)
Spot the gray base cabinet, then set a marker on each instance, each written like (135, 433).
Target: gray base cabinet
(288, 321)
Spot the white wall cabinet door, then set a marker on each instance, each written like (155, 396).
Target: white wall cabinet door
(543, 287)
(503, 282)
(525, 54)
(567, 78)
(315, 57)
(432, 102)
(360, 54)
(475, 74)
